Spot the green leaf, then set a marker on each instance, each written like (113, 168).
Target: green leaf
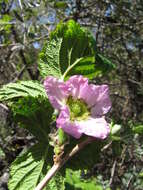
(22, 89)
(34, 114)
(70, 51)
(74, 181)
(77, 43)
(69, 45)
(30, 107)
(29, 168)
(103, 65)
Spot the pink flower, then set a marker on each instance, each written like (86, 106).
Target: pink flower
(81, 105)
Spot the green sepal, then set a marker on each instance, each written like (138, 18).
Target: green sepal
(62, 137)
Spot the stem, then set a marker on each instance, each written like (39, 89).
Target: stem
(55, 168)
(70, 67)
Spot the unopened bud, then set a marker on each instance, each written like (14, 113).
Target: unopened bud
(62, 137)
(115, 129)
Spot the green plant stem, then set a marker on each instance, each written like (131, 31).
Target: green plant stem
(70, 67)
(55, 168)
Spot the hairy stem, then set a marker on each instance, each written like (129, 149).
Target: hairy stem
(55, 168)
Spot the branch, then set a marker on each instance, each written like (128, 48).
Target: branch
(55, 168)
(21, 53)
(78, 10)
(19, 75)
(112, 172)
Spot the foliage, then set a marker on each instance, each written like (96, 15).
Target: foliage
(28, 169)
(71, 51)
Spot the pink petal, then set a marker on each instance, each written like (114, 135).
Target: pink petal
(69, 127)
(97, 97)
(77, 83)
(95, 127)
(57, 91)
(103, 103)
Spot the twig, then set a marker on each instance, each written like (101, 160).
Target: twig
(21, 53)
(38, 39)
(112, 172)
(106, 146)
(129, 182)
(4, 106)
(20, 4)
(19, 75)
(55, 168)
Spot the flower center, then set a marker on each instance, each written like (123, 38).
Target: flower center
(78, 109)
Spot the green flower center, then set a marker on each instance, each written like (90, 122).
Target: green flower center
(78, 109)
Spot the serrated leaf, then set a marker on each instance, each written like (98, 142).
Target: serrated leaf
(29, 168)
(49, 59)
(22, 89)
(77, 43)
(70, 51)
(69, 45)
(34, 114)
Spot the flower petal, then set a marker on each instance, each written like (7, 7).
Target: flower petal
(57, 91)
(77, 84)
(69, 127)
(95, 127)
(102, 104)
(97, 97)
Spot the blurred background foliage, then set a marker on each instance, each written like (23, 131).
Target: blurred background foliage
(118, 29)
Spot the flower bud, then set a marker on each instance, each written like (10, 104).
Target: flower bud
(115, 129)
